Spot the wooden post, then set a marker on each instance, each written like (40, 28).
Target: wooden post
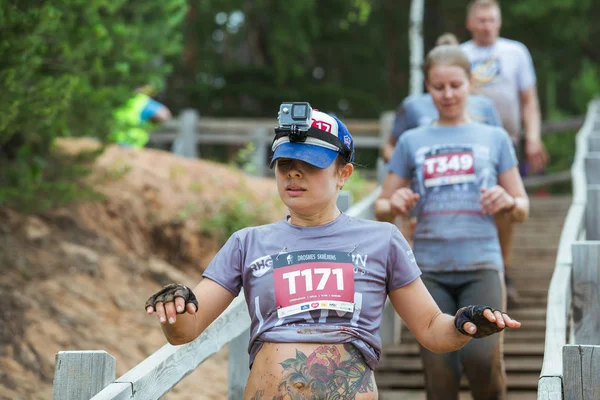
(592, 213)
(592, 168)
(594, 143)
(391, 325)
(185, 144)
(82, 374)
(581, 377)
(586, 292)
(344, 200)
(260, 138)
(550, 388)
(386, 123)
(238, 366)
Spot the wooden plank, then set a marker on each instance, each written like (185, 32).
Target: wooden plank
(157, 374)
(550, 179)
(82, 374)
(592, 168)
(364, 208)
(238, 366)
(463, 395)
(550, 388)
(577, 169)
(519, 349)
(241, 139)
(570, 233)
(562, 126)
(184, 144)
(586, 292)
(592, 212)
(582, 372)
(414, 364)
(525, 334)
(388, 381)
(594, 143)
(559, 303)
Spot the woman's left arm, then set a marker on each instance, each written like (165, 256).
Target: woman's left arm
(435, 330)
(508, 196)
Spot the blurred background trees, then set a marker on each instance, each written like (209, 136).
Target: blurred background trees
(67, 65)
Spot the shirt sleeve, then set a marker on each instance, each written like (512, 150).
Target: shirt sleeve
(526, 72)
(226, 267)
(402, 267)
(401, 161)
(151, 109)
(507, 157)
(400, 121)
(492, 116)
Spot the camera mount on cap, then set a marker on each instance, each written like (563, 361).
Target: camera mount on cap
(295, 122)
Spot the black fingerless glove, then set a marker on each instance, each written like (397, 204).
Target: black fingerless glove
(474, 314)
(169, 293)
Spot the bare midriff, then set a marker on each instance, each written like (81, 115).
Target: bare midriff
(307, 371)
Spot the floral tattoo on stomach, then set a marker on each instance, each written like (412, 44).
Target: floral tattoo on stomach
(323, 375)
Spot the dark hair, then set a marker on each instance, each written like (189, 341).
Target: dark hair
(446, 55)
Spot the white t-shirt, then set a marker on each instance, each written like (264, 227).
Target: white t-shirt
(501, 71)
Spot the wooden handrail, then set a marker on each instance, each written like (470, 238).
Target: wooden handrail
(550, 385)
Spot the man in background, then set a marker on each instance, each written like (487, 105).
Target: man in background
(503, 71)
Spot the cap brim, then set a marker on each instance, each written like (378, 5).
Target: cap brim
(317, 156)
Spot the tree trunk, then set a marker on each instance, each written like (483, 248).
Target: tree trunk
(416, 46)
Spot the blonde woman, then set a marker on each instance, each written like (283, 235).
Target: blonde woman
(455, 175)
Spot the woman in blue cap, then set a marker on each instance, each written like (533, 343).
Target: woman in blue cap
(316, 281)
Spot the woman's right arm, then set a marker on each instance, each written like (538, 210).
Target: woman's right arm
(212, 298)
(395, 199)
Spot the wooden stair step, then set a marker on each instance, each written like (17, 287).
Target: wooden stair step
(520, 380)
(518, 349)
(413, 364)
(464, 395)
(510, 336)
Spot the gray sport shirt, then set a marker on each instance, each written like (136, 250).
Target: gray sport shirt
(448, 166)
(321, 284)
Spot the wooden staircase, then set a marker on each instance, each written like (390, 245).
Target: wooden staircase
(400, 376)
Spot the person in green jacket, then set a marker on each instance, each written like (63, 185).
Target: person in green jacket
(133, 120)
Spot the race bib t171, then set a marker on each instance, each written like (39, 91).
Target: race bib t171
(313, 280)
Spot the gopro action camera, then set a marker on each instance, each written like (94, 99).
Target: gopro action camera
(297, 114)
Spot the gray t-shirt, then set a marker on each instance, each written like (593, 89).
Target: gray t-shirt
(321, 284)
(419, 110)
(448, 166)
(501, 71)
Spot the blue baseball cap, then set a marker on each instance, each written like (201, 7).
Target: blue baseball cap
(314, 151)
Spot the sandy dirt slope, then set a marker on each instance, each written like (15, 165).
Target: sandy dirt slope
(76, 278)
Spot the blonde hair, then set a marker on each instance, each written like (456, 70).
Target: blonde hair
(448, 39)
(482, 4)
(451, 55)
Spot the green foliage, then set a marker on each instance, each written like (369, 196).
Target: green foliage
(48, 182)
(65, 67)
(245, 57)
(244, 158)
(586, 85)
(357, 185)
(232, 213)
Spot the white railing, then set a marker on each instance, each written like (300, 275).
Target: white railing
(573, 296)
